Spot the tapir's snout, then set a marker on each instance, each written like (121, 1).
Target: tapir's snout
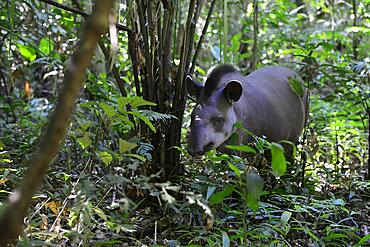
(199, 151)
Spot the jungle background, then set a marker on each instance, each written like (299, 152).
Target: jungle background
(123, 177)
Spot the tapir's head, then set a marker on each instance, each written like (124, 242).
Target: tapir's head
(213, 118)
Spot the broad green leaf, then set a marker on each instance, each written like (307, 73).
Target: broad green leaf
(105, 157)
(84, 141)
(125, 146)
(144, 119)
(220, 196)
(108, 110)
(122, 102)
(45, 46)
(242, 148)
(235, 169)
(296, 85)
(138, 101)
(254, 184)
(136, 156)
(27, 52)
(210, 191)
(127, 121)
(285, 217)
(278, 159)
(225, 239)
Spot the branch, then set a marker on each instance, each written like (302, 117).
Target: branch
(11, 219)
(80, 12)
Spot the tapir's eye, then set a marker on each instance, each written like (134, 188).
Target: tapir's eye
(218, 123)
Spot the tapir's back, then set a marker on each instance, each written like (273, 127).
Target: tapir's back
(269, 106)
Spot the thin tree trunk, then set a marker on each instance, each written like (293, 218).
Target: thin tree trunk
(255, 36)
(11, 219)
(355, 35)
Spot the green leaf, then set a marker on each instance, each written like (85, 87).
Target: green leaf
(136, 156)
(364, 240)
(235, 169)
(210, 191)
(108, 110)
(105, 157)
(46, 46)
(254, 184)
(84, 141)
(100, 213)
(285, 217)
(125, 146)
(296, 85)
(357, 29)
(27, 52)
(220, 196)
(144, 119)
(242, 148)
(278, 159)
(225, 239)
(339, 202)
(2, 146)
(138, 101)
(122, 102)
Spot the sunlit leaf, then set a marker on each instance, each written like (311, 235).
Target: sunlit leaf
(27, 52)
(46, 46)
(125, 146)
(242, 148)
(84, 141)
(138, 101)
(278, 159)
(105, 157)
(108, 110)
(122, 102)
(235, 169)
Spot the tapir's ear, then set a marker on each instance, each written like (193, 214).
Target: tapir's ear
(193, 86)
(233, 91)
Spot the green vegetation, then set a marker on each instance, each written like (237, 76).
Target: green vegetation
(123, 176)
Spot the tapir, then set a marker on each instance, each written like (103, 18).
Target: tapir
(264, 102)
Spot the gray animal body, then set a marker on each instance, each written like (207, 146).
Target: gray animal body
(263, 101)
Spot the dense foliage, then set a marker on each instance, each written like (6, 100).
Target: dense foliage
(105, 187)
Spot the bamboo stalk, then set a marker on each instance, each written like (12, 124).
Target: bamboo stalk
(204, 31)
